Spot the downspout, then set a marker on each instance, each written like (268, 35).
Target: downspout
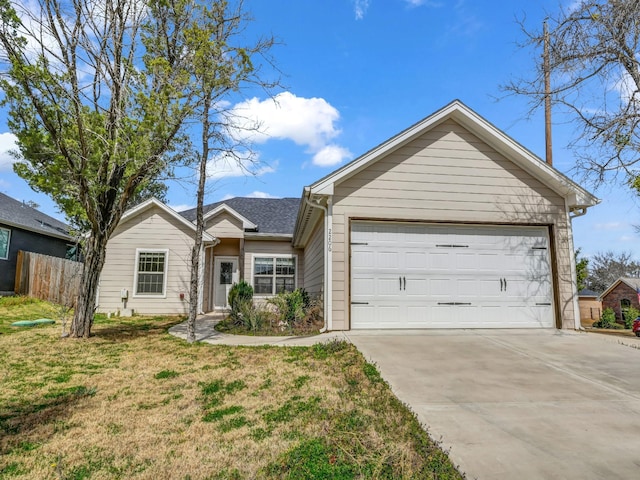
(577, 325)
(327, 262)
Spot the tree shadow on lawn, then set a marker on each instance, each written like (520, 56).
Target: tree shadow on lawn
(18, 421)
(135, 328)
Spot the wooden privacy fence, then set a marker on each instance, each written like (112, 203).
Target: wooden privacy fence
(48, 278)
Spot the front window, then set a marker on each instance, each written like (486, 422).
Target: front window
(150, 278)
(5, 235)
(272, 275)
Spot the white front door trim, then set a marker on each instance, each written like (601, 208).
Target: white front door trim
(221, 286)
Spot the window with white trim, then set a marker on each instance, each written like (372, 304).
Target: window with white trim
(151, 268)
(5, 236)
(273, 275)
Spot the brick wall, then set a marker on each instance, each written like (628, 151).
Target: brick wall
(613, 298)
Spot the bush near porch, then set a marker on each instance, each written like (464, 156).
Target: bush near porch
(288, 313)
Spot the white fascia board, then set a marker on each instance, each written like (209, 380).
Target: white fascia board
(154, 202)
(246, 223)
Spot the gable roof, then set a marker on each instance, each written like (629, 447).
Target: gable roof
(20, 215)
(629, 281)
(577, 196)
(154, 202)
(268, 215)
(246, 223)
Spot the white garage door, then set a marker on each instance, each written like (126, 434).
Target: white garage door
(443, 276)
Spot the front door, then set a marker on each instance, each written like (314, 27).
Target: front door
(225, 273)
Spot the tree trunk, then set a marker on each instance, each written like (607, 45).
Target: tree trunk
(197, 246)
(86, 305)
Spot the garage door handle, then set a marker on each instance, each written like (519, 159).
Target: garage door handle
(501, 284)
(400, 280)
(404, 279)
(359, 303)
(453, 303)
(544, 303)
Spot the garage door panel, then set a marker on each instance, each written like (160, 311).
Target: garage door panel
(443, 276)
(417, 316)
(415, 287)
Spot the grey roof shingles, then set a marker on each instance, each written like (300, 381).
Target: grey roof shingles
(271, 215)
(20, 215)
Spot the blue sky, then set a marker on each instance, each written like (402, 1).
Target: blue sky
(356, 72)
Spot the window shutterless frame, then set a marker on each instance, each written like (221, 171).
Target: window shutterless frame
(5, 240)
(147, 264)
(271, 274)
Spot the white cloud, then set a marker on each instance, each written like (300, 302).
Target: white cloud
(610, 226)
(360, 7)
(7, 143)
(331, 155)
(306, 121)
(309, 122)
(181, 207)
(419, 3)
(225, 166)
(259, 194)
(626, 88)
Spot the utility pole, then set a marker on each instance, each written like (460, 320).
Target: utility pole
(547, 96)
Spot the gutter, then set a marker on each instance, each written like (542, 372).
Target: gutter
(328, 258)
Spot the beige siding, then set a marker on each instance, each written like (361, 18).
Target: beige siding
(314, 261)
(224, 225)
(590, 310)
(152, 229)
(446, 175)
(255, 248)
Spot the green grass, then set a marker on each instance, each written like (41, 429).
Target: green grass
(133, 402)
(13, 309)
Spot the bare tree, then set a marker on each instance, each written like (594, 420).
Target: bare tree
(606, 267)
(594, 63)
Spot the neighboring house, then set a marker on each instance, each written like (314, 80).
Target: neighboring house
(25, 228)
(449, 224)
(590, 307)
(622, 294)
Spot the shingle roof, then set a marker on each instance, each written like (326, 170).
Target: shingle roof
(271, 215)
(19, 214)
(632, 282)
(585, 292)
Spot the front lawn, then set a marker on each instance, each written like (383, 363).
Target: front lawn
(133, 402)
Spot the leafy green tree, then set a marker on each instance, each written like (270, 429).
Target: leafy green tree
(594, 64)
(582, 270)
(97, 92)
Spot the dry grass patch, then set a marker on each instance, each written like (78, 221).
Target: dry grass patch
(133, 402)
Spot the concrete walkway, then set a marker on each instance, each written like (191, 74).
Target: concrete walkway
(205, 332)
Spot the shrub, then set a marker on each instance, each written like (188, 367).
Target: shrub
(630, 314)
(607, 320)
(252, 317)
(240, 295)
(292, 307)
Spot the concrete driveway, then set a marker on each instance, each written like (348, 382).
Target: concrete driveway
(519, 404)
